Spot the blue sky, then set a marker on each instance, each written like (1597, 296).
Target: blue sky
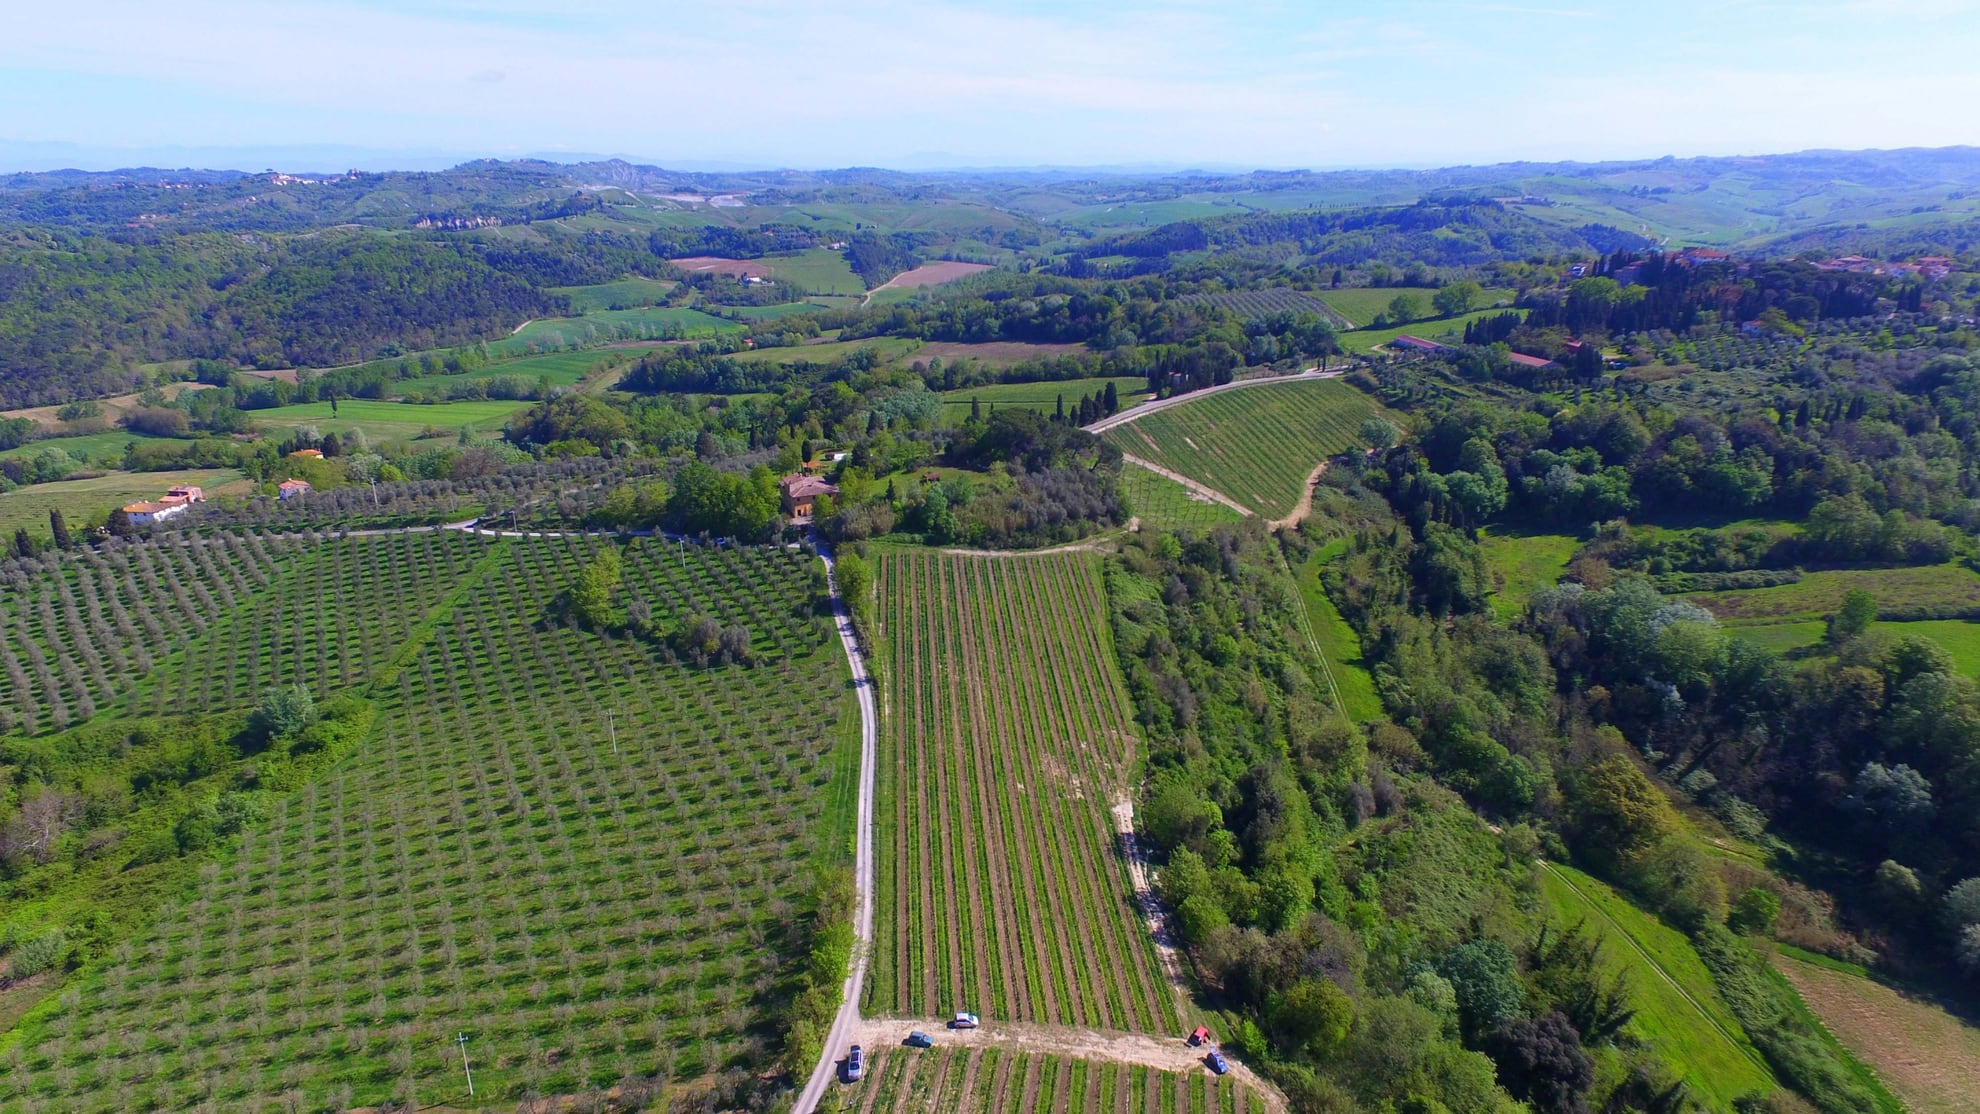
(950, 82)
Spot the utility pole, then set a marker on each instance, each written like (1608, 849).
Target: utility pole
(462, 1041)
(614, 729)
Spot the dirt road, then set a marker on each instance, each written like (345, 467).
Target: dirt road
(845, 1026)
(1161, 1053)
(1207, 492)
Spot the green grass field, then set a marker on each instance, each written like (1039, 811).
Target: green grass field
(623, 294)
(1449, 330)
(86, 500)
(1354, 688)
(772, 313)
(1958, 637)
(1257, 444)
(1360, 304)
(1163, 504)
(1939, 588)
(889, 348)
(815, 271)
(1522, 563)
(94, 448)
(1132, 390)
(389, 421)
(562, 369)
(588, 906)
(608, 325)
(1678, 1011)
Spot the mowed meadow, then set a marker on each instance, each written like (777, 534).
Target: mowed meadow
(1006, 744)
(1255, 444)
(583, 856)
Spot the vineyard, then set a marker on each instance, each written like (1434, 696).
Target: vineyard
(1005, 741)
(1257, 445)
(1252, 304)
(588, 900)
(1015, 1082)
(1163, 504)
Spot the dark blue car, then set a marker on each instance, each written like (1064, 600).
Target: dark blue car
(1216, 1062)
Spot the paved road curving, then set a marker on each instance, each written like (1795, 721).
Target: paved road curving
(846, 1026)
(1147, 408)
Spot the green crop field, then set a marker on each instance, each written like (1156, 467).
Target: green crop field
(1925, 588)
(1360, 304)
(1163, 504)
(947, 1078)
(84, 500)
(1132, 390)
(1353, 689)
(384, 421)
(1522, 563)
(1958, 637)
(1005, 740)
(1258, 303)
(1257, 444)
(586, 904)
(623, 294)
(1678, 1012)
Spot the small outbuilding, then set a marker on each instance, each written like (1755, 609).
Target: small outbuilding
(290, 489)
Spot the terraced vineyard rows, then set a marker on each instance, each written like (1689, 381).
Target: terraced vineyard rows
(999, 1081)
(75, 639)
(1256, 445)
(586, 907)
(1005, 740)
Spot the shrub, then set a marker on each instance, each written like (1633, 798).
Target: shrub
(284, 711)
(38, 954)
(1755, 911)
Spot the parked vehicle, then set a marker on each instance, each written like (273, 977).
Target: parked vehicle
(919, 1039)
(855, 1064)
(1216, 1062)
(1200, 1037)
(965, 1021)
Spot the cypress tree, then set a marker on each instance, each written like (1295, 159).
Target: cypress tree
(59, 527)
(23, 543)
(1112, 400)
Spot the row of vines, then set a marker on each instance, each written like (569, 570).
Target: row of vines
(1006, 741)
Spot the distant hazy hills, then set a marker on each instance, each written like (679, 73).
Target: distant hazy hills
(1777, 202)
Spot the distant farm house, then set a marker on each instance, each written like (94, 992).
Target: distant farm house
(311, 454)
(801, 495)
(290, 489)
(1537, 363)
(176, 501)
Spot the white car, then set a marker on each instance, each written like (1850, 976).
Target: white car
(965, 1021)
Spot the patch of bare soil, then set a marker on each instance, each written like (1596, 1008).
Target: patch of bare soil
(1926, 1056)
